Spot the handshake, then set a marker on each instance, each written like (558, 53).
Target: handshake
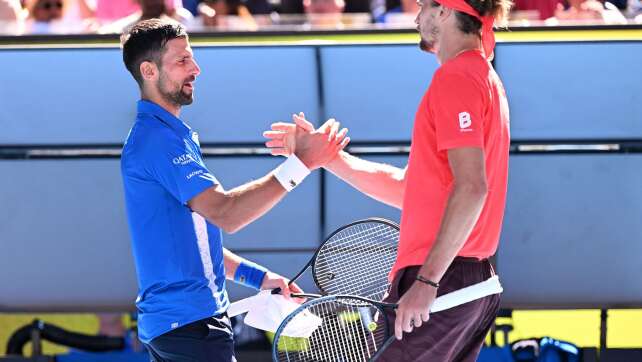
(315, 148)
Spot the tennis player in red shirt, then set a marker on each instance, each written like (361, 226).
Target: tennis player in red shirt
(452, 192)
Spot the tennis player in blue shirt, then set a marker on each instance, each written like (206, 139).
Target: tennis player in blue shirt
(176, 208)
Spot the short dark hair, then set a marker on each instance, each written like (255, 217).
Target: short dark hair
(145, 42)
(470, 25)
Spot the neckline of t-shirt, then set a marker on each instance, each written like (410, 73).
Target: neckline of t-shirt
(474, 50)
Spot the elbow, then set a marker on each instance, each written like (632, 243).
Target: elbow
(231, 227)
(477, 190)
(227, 222)
(223, 217)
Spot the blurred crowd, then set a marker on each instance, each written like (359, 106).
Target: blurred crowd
(113, 16)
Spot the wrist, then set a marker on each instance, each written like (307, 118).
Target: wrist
(427, 281)
(334, 163)
(250, 274)
(291, 172)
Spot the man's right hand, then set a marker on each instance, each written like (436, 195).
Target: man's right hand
(315, 148)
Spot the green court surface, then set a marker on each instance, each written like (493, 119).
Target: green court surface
(581, 327)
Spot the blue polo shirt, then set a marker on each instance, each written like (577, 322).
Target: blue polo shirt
(178, 254)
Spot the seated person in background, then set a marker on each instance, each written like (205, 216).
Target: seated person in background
(587, 10)
(324, 13)
(45, 11)
(107, 11)
(10, 10)
(52, 17)
(634, 10)
(580, 10)
(227, 14)
(359, 6)
(254, 7)
(543, 8)
(149, 9)
(402, 12)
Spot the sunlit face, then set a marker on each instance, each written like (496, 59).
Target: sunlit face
(178, 71)
(427, 25)
(323, 6)
(47, 10)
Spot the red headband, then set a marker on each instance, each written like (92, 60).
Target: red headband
(487, 36)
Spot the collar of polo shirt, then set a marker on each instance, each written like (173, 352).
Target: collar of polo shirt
(149, 107)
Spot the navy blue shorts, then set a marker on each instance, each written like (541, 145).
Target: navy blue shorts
(210, 339)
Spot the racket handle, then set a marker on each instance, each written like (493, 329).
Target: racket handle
(278, 290)
(383, 348)
(296, 295)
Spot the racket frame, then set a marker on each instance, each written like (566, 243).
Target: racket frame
(311, 262)
(389, 337)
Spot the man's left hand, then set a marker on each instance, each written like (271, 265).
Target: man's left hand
(414, 307)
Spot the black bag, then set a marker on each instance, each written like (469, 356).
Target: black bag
(544, 350)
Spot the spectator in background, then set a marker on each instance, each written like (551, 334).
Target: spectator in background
(149, 9)
(634, 10)
(227, 14)
(192, 6)
(53, 17)
(402, 12)
(324, 13)
(588, 10)
(79, 10)
(107, 11)
(358, 6)
(111, 10)
(545, 8)
(46, 11)
(580, 10)
(255, 7)
(10, 10)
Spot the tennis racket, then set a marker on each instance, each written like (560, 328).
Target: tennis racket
(350, 328)
(354, 260)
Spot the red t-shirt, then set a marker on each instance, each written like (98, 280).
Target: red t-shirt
(465, 106)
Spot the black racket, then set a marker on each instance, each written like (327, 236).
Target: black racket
(334, 328)
(355, 260)
(344, 328)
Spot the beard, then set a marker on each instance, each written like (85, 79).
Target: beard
(426, 46)
(429, 45)
(174, 93)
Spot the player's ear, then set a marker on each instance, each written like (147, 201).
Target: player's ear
(148, 70)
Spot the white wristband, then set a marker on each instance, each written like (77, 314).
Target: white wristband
(291, 172)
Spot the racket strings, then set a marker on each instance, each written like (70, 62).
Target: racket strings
(357, 260)
(349, 333)
(363, 273)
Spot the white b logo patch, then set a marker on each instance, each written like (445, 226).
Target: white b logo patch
(464, 120)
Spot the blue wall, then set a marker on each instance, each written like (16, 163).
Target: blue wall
(569, 219)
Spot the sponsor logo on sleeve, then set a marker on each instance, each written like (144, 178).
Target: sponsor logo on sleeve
(465, 122)
(183, 160)
(194, 173)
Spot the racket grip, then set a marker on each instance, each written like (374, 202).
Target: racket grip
(304, 295)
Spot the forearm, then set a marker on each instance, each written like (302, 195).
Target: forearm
(231, 262)
(462, 212)
(243, 271)
(380, 181)
(248, 202)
